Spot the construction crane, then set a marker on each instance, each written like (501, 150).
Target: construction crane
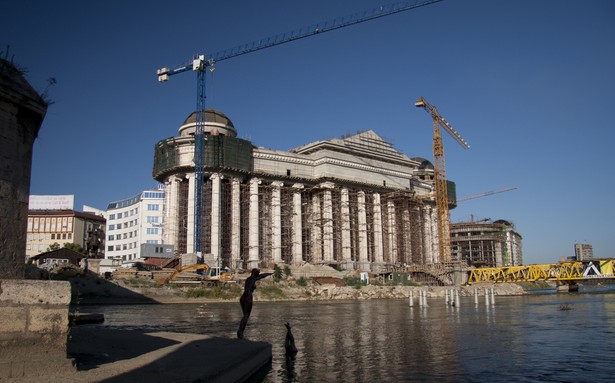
(444, 221)
(200, 63)
(484, 194)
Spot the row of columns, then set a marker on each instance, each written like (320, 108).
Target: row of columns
(322, 231)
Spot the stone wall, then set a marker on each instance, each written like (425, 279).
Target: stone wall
(33, 327)
(21, 113)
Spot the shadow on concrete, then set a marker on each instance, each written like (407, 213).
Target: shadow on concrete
(90, 288)
(115, 356)
(92, 347)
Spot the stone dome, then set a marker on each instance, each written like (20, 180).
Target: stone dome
(216, 123)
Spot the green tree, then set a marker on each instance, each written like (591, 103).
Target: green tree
(277, 273)
(53, 246)
(287, 271)
(74, 247)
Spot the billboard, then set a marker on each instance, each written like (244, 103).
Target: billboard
(51, 202)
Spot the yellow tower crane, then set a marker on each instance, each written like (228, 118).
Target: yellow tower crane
(442, 200)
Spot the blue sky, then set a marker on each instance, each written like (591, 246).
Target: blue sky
(527, 83)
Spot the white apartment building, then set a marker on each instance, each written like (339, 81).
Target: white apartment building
(132, 222)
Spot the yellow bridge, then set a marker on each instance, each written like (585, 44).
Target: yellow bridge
(565, 272)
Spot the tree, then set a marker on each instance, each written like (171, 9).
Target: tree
(53, 246)
(74, 247)
(277, 273)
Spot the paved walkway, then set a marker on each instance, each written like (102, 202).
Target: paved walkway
(117, 356)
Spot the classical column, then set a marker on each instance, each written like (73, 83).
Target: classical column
(327, 219)
(378, 245)
(190, 215)
(216, 238)
(405, 216)
(362, 226)
(316, 223)
(253, 233)
(276, 224)
(392, 235)
(430, 236)
(297, 256)
(171, 218)
(235, 261)
(345, 219)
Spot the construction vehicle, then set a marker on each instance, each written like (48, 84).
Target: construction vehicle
(442, 200)
(199, 273)
(200, 63)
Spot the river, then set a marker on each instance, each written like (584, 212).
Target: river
(541, 337)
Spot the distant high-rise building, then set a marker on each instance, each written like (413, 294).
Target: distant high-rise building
(583, 251)
(132, 222)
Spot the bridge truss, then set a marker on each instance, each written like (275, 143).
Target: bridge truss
(563, 271)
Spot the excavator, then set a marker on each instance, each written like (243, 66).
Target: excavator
(199, 273)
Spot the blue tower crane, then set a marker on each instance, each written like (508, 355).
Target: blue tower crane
(200, 63)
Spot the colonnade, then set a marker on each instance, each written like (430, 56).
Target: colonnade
(293, 223)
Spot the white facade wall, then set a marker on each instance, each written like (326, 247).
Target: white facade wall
(132, 222)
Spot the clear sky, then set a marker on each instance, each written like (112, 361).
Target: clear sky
(527, 83)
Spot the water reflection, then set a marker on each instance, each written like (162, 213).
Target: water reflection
(520, 339)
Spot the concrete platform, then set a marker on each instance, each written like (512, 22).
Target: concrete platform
(116, 356)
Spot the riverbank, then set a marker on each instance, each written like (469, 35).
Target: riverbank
(92, 290)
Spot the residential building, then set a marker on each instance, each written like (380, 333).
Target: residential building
(583, 251)
(132, 222)
(48, 227)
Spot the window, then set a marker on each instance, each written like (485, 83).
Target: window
(125, 235)
(53, 236)
(153, 207)
(70, 235)
(125, 225)
(63, 236)
(151, 219)
(124, 247)
(111, 217)
(118, 247)
(119, 215)
(111, 227)
(111, 237)
(109, 248)
(152, 230)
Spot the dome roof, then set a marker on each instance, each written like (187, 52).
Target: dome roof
(424, 163)
(211, 115)
(216, 122)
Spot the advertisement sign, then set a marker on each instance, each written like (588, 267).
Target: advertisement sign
(51, 202)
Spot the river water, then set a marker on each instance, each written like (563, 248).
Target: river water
(528, 338)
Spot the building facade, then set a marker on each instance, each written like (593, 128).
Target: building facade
(350, 202)
(48, 227)
(583, 251)
(486, 244)
(132, 222)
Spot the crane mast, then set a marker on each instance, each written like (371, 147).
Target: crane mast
(200, 63)
(442, 212)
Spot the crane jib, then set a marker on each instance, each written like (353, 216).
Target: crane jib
(301, 33)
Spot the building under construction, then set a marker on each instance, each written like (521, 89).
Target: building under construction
(355, 202)
(486, 244)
